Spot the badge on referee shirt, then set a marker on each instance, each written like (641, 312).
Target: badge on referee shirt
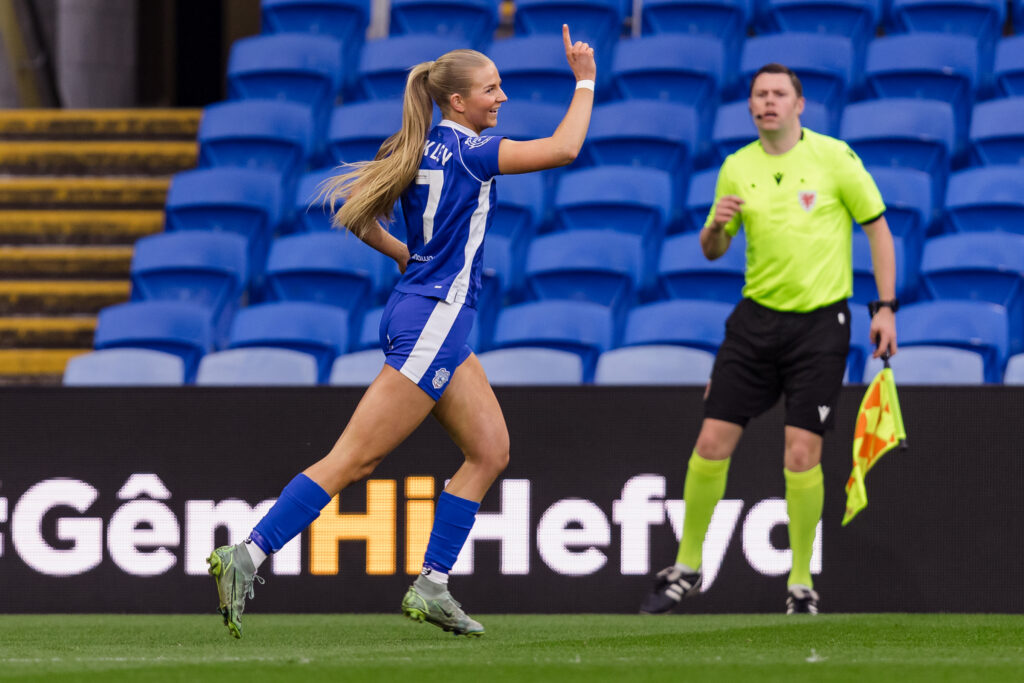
(807, 199)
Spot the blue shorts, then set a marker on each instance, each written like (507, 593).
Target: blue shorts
(425, 339)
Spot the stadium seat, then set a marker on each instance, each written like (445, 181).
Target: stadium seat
(597, 22)
(356, 369)
(636, 200)
(997, 131)
(241, 201)
(726, 20)
(209, 269)
(125, 367)
(684, 69)
(908, 203)
(600, 266)
(1014, 370)
(1008, 71)
(316, 329)
(332, 268)
(976, 326)
(904, 133)
(934, 365)
(980, 19)
(533, 69)
(258, 134)
(257, 367)
(685, 273)
(864, 287)
(356, 131)
(700, 195)
(522, 206)
(979, 267)
(384, 64)
(369, 334)
(861, 346)
(528, 120)
(585, 329)
(824, 63)
(295, 67)
(345, 20)
(310, 213)
(681, 322)
(182, 329)
(654, 364)
(472, 21)
(734, 128)
(662, 135)
(855, 19)
(532, 366)
(985, 199)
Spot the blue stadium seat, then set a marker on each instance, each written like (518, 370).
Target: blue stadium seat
(685, 273)
(356, 369)
(824, 63)
(528, 120)
(295, 67)
(597, 22)
(636, 200)
(861, 346)
(502, 271)
(182, 329)
(258, 134)
(997, 131)
(256, 366)
(904, 133)
(316, 329)
(654, 364)
(734, 128)
(384, 64)
(532, 366)
(663, 135)
(356, 131)
(310, 213)
(345, 20)
(125, 367)
(726, 20)
(472, 21)
(700, 195)
(908, 203)
(864, 287)
(209, 269)
(933, 365)
(985, 199)
(369, 334)
(684, 69)
(533, 69)
(600, 266)
(976, 326)
(682, 322)
(1014, 370)
(522, 206)
(979, 267)
(585, 329)
(332, 268)
(235, 200)
(981, 19)
(1008, 71)
(855, 19)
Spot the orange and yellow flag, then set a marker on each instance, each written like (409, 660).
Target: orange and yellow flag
(879, 430)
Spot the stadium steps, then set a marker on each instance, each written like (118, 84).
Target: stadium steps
(79, 187)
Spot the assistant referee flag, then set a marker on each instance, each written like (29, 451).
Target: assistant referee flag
(879, 430)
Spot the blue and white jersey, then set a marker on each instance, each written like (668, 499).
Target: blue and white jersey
(448, 208)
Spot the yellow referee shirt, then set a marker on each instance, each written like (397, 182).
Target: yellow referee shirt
(797, 214)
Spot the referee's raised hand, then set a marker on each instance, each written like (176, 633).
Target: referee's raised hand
(580, 57)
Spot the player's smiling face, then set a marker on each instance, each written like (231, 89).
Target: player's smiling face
(774, 104)
(484, 99)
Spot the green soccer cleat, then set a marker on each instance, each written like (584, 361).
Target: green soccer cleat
(435, 605)
(231, 567)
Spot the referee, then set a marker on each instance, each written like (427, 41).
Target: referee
(795, 192)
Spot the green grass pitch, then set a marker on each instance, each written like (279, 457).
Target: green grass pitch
(867, 648)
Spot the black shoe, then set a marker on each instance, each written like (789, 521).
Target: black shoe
(801, 600)
(672, 586)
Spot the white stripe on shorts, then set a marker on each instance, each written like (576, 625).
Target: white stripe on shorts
(431, 338)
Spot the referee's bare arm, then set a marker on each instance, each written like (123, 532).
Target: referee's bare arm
(714, 240)
(883, 260)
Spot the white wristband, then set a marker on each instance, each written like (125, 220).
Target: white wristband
(586, 83)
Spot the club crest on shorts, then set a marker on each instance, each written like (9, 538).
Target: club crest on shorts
(807, 199)
(441, 377)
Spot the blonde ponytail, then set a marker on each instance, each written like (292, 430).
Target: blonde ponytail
(370, 189)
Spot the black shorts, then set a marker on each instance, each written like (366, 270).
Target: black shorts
(768, 353)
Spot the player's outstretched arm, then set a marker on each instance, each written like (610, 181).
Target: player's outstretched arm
(564, 144)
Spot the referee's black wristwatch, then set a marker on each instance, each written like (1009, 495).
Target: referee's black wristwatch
(875, 306)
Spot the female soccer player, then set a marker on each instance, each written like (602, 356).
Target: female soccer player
(444, 177)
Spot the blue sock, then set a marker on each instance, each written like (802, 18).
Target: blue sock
(453, 519)
(299, 504)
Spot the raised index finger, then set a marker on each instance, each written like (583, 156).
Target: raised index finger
(565, 37)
